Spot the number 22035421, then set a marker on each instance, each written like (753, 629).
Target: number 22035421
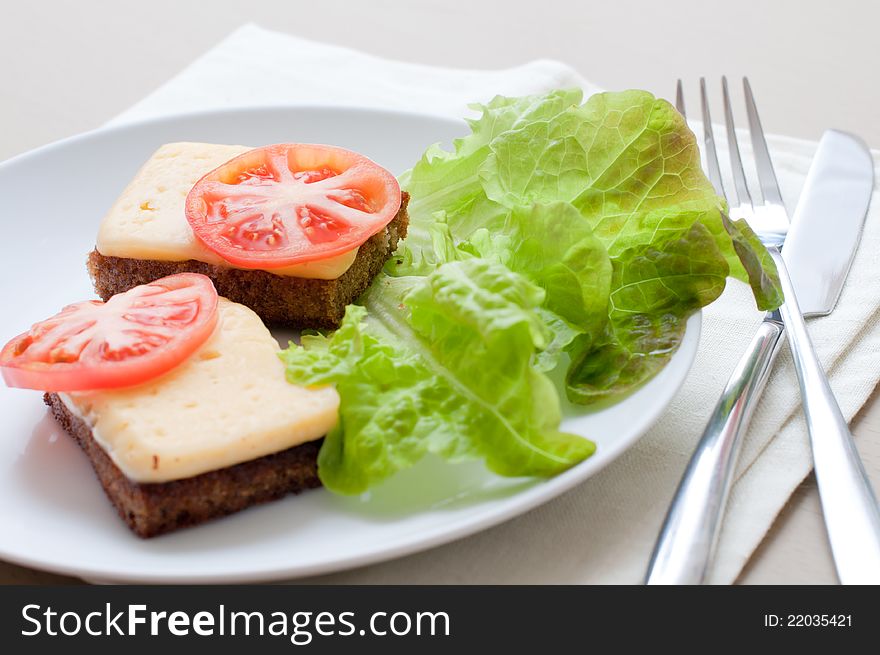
(808, 620)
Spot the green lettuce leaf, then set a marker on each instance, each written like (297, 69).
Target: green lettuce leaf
(449, 182)
(557, 250)
(654, 289)
(439, 364)
(762, 274)
(554, 248)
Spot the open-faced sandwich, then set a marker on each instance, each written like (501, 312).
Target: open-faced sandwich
(294, 231)
(179, 400)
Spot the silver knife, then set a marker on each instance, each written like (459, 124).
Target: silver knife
(818, 253)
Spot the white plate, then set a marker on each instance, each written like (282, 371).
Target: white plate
(52, 509)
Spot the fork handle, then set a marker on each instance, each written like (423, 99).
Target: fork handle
(852, 516)
(686, 544)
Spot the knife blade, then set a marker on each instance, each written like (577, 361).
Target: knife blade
(827, 223)
(818, 252)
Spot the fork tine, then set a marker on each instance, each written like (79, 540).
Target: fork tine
(679, 99)
(739, 175)
(709, 138)
(766, 174)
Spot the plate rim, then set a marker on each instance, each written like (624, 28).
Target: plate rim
(438, 534)
(125, 125)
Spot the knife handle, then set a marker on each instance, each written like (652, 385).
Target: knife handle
(852, 516)
(687, 540)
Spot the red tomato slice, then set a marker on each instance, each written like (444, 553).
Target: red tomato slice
(291, 203)
(133, 337)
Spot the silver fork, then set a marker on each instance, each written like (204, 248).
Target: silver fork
(687, 541)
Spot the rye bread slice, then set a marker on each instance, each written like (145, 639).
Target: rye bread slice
(294, 302)
(151, 509)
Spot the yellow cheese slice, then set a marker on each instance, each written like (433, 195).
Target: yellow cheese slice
(228, 403)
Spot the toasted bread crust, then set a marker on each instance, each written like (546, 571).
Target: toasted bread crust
(151, 509)
(291, 301)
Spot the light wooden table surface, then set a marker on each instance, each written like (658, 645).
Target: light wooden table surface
(70, 66)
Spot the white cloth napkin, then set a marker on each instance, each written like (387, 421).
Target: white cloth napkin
(602, 531)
